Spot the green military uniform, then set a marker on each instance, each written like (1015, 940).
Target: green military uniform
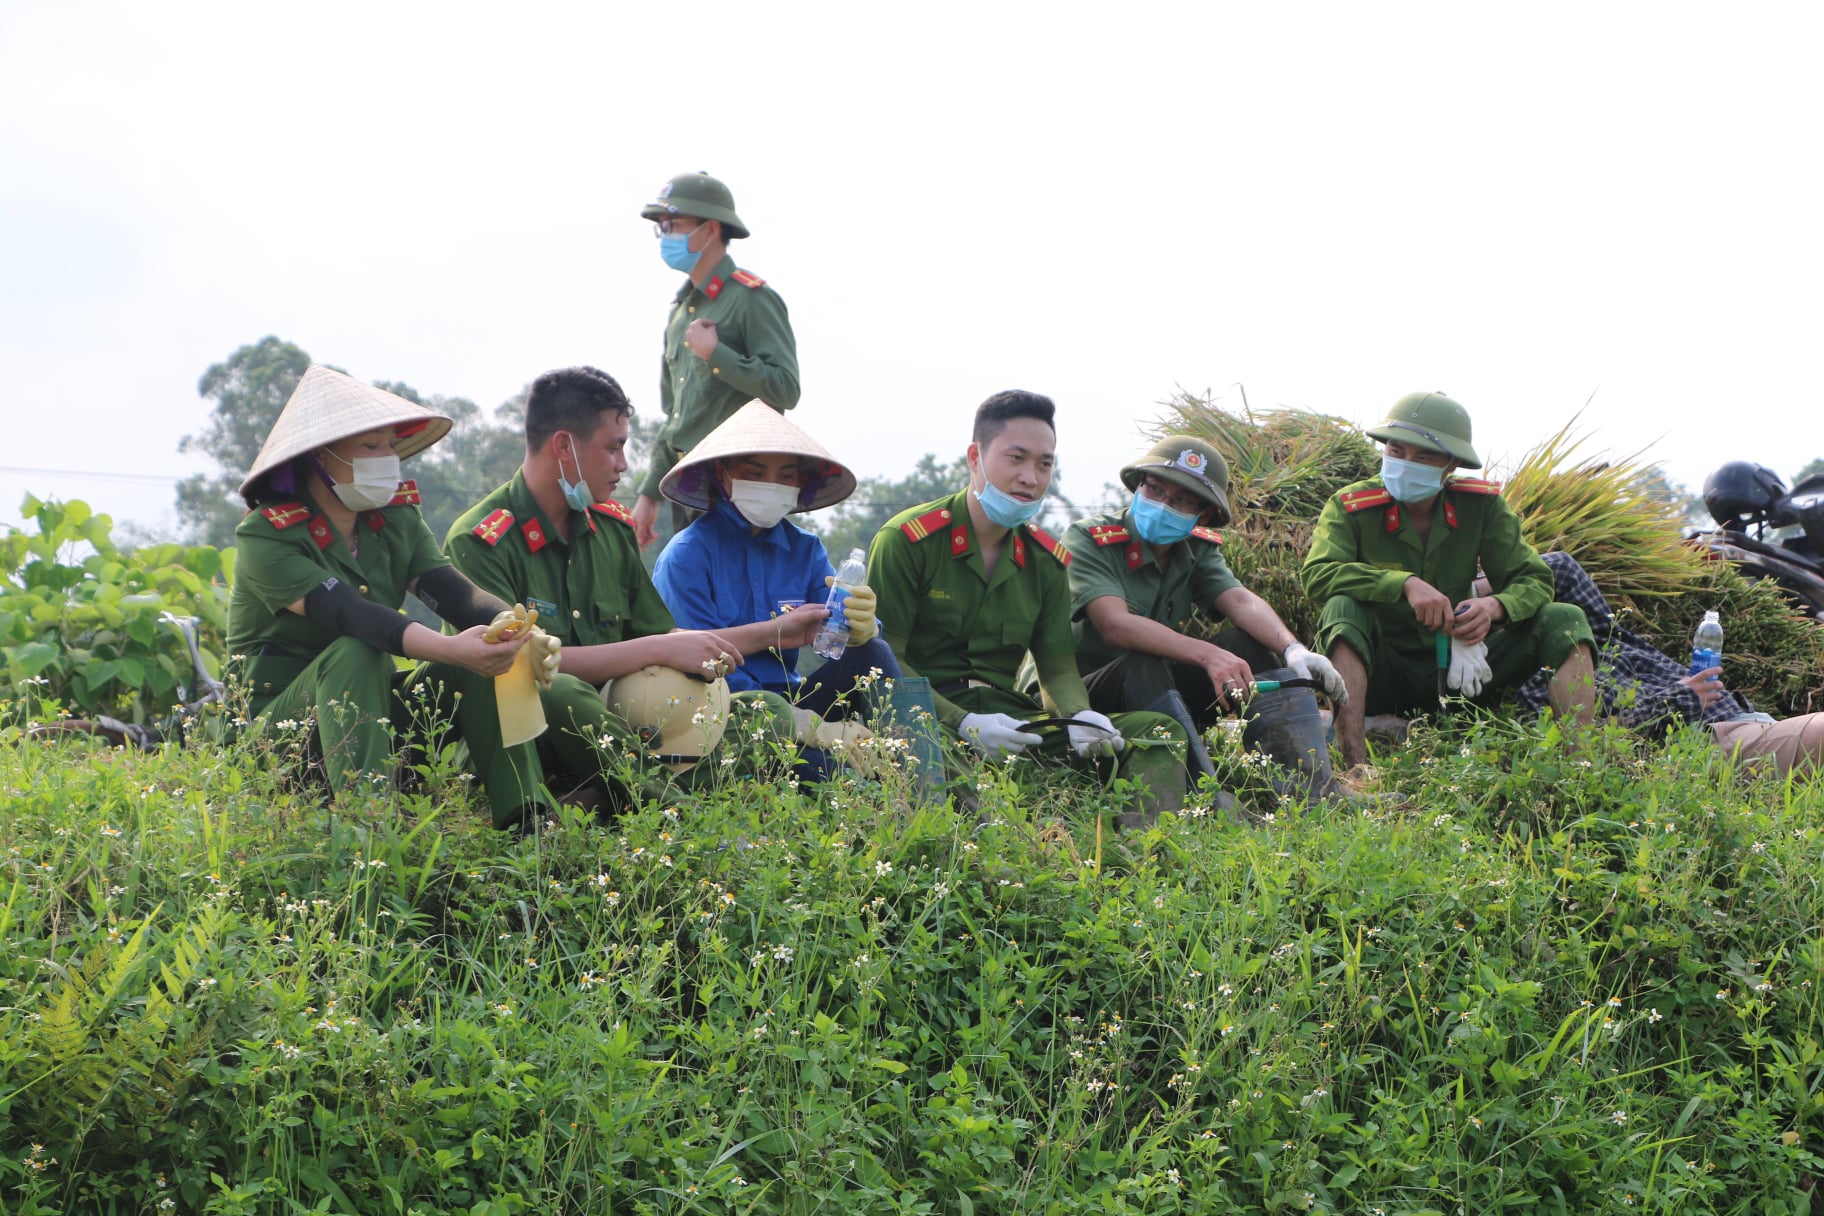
(1365, 548)
(590, 590)
(967, 632)
(1107, 557)
(755, 356)
(298, 669)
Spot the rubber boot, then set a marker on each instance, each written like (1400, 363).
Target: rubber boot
(1197, 757)
(1285, 725)
(908, 712)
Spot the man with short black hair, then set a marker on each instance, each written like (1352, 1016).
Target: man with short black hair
(728, 340)
(552, 539)
(967, 587)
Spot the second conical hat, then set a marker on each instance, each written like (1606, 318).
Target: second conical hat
(757, 427)
(327, 406)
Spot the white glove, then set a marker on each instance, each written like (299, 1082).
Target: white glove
(1313, 666)
(991, 733)
(1087, 741)
(1469, 669)
(804, 727)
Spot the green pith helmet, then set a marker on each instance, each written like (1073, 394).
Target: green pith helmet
(1431, 421)
(1186, 462)
(699, 196)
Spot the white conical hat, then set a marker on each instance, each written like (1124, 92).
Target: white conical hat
(327, 406)
(757, 427)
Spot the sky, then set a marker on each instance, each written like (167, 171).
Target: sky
(1538, 209)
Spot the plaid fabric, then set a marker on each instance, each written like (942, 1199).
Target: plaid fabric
(1637, 683)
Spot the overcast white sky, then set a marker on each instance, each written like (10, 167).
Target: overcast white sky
(1330, 204)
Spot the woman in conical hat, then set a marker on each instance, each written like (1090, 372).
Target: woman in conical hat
(756, 578)
(331, 544)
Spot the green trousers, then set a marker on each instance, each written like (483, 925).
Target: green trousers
(364, 706)
(577, 723)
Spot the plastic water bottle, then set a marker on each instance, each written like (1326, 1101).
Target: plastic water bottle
(1707, 643)
(833, 638)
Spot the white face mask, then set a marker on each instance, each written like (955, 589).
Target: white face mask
(373, 484)
(763, 503)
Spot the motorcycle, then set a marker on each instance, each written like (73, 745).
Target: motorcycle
(171, 726)
(1740, 496)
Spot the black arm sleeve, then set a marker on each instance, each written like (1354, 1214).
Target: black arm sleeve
(448, 592)
(337, 607)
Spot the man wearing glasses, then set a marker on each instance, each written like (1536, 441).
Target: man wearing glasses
(728, 341)
(1137, 574)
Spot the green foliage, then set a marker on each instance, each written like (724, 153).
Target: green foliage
(1562, 981)
(249, 389)
(80, 620)
(852, 524)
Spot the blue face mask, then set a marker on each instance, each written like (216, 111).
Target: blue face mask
(675, 249)
(576, 493)
(1006, 510)
(1158, 524)
(1409, 481)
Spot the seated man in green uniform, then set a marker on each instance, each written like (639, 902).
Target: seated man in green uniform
(967, 587)
(331, 545)
(550, 538)
(1393, 560)
(1136, 576)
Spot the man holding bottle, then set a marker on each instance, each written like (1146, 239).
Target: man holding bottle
(968, 587)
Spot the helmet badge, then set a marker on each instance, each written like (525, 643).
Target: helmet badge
(1191, 461)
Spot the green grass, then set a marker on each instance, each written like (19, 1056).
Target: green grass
(1546, 981)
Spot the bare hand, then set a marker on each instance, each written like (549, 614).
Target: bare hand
(1230, 676)
(701, 338)
(471, 649)
(1707, 684)
(1430, 605)
(1475, 618)
(799, 626)
(700, 653)
(645, 514)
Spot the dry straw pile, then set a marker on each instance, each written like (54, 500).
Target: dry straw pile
(1285, 463)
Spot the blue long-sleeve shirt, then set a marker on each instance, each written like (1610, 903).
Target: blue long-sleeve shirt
(717, 574)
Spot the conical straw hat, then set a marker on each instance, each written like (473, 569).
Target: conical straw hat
(757, 427)
(327, 406)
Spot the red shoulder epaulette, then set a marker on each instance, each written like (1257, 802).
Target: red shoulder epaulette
(494, 526)
(615, 511)
(1361, 500)
(1050, 545)
(1107, 534)
(1209, 534)
(748, 280)
(319, 531)
(285, 514)
(1475, 485)
(406, 496)
(924, 525)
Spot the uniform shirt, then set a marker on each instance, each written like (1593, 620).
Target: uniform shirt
(286, 548)
(755, 356)
(957, 623)
(1637, 683)
(1107, 557)
(1365, 547)
(717, 573)
(590, 590)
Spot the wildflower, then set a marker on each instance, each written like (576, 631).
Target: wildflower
(1475, 1121)
(109, 830)
(113, 935)
(1615, 1002)
(1618, 1117)
(783, 953)
(1654, 1015)
(941, 889)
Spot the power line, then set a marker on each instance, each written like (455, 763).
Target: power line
(20, 471)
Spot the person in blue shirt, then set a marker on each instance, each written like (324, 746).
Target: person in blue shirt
(743, 565)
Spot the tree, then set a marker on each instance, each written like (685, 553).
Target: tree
(853, 523)
(249, 389)
(1816, 466)
(478, 454)
(1653, 484)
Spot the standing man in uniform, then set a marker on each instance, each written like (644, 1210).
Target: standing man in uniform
(1393, 560)
(967, 587)
(551, 538)
(728, 340)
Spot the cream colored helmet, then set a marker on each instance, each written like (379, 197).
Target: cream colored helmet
(680, 719)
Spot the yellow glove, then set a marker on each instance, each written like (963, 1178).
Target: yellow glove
(860, 607)
(510, 623)
(547, 656)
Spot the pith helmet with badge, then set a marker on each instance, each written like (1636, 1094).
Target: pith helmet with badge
(1433, 422)
(1190, 464)
(697, 196)
(326, 406)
